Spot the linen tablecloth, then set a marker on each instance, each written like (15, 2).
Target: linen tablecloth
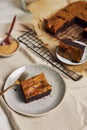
(66, 116)
(71, 114)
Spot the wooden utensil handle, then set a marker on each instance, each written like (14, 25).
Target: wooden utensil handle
(12, 25)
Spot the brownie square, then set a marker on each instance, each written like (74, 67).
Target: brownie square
(71, 50)
(35, 88)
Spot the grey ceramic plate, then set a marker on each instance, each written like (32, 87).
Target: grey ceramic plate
(39, 107)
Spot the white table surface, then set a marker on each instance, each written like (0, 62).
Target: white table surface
(8, 8)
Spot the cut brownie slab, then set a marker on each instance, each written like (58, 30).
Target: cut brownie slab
(53, 24)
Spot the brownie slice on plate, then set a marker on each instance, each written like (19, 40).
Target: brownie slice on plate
(71, 50)
(35, 88)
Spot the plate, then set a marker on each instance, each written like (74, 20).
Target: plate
(9, 48)
(66, 61)
(39, 107)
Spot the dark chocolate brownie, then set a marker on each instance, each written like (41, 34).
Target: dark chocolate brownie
(71, 50)
(35, 88)
(75, 9)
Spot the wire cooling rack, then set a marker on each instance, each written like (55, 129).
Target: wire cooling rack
(32, 42)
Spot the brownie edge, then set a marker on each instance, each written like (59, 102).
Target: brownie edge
(39, 96)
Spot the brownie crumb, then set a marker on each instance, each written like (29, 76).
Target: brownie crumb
(15, 89)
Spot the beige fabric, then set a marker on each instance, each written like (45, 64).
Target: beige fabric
(67, 116)
(62, 118)
(70, 114)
